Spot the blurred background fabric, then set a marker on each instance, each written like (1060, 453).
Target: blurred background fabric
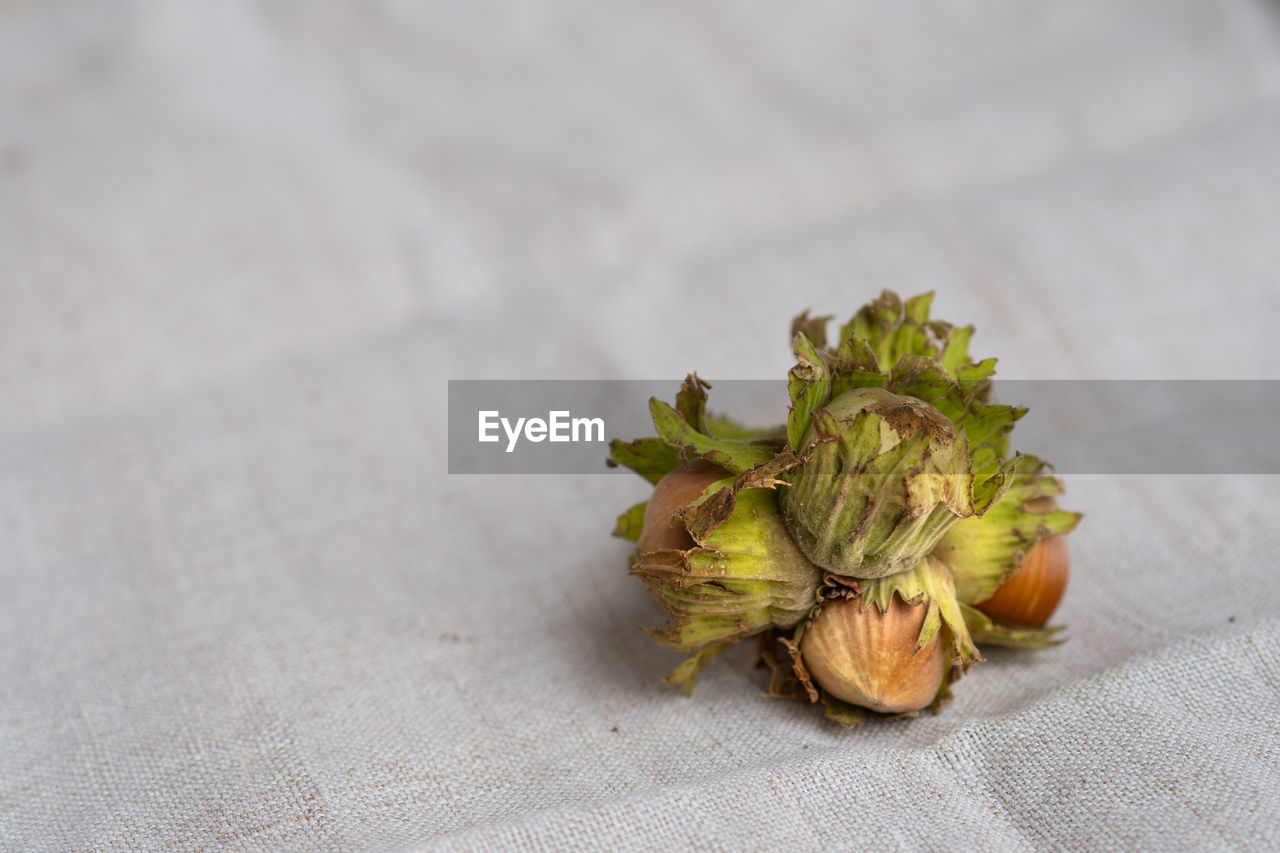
(243, 246)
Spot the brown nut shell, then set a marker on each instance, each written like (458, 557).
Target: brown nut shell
(1031, 596)
(868, 658)
(677, 489)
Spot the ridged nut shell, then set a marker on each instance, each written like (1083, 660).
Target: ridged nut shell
(868, 658)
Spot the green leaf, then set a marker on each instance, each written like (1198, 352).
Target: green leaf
(984, 552)
(631, 522)
(809, 385)
(875, 323)
(854, 365)
(651, 458)
(916, 309)
(847, 715)
(734, 456)
(691, 401)
(996, 632)
(718, 426)
(956, 352)
(686, 673)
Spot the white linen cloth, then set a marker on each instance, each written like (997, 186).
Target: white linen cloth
(244, 245)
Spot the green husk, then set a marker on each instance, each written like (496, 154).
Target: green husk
(983, 553)
(631, 522)
(929, 583)
(897, 436)
(996, 632)
(743, 576)
(892, 475)
(686, 432)
(894, 345)
(880, 479)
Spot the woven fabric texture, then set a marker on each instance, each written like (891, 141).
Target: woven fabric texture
(243, 246)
